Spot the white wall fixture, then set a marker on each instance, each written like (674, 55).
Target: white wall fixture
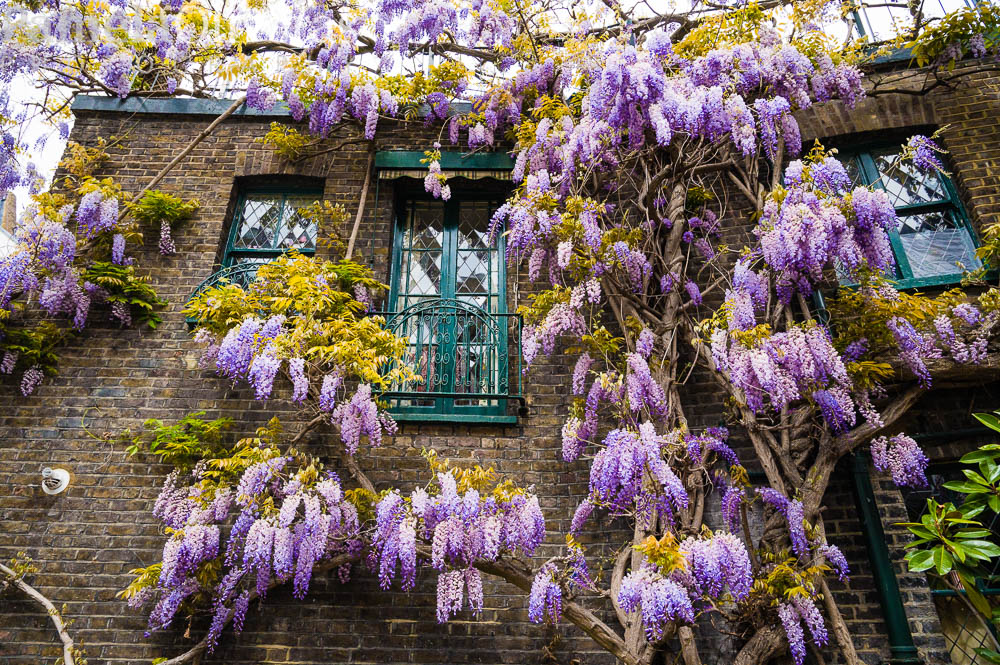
(54, 481)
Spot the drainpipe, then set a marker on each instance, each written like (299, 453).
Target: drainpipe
(901, 648)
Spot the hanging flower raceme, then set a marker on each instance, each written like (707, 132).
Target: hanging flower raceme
(712, 440)
(784, 367)
(545, 601)
(794, 514)
(659, 599)
(793, 614)
(642, 389)
(715, 565)
(560, 320)
(283, 527)
(924, 153)
(359, 416)
(461, 529)
(815, 225)
(914, 348)
(902, 458)
(630, 473)
(96, 213)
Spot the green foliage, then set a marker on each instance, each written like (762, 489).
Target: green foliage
(289, 142)
(125, 286)
(36, 345)
(156, 206)
(325, 323)
(950, 541)
(185, 442)
(22, 566)
(863, 312)
(952, 35)
(988, 251)
(80, 162)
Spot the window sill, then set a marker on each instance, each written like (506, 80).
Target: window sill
(923, 282)
(938, 280)
(453, 418)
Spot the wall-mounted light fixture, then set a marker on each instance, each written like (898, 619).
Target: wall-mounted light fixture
(54, 481)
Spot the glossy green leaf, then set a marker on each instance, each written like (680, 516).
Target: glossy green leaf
(943, 561)
(988, 419)
(920, 561)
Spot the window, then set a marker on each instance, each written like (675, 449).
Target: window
(963, 631)
(268, 223)
(448, 299)
(934, 243)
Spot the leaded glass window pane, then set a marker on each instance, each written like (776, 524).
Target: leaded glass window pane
(936, 244)
(905, 183)
(446, 286)
(259, 216)
(271, 223)
(933, 240)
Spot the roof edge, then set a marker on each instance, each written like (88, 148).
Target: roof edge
(171, 106)
(200, 106)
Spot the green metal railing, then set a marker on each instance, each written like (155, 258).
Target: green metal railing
(241, 274)
(468, 362)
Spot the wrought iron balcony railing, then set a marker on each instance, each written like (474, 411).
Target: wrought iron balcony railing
(242, 274)
(468, 361)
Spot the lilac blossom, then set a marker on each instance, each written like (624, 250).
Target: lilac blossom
(902, 458)
(924, 153)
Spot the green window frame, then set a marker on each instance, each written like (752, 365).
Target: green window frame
(448, 298)
(934, 227)
(266, 224)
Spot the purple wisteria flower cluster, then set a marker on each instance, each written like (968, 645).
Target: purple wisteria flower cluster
(793, 614)
(902, 458)
(746, 94)
(462, 529)
(818, 223)
(250, 351)
(799, 363)
(716, 568)
(924, 153)
(620, 474)
(47, 264)
(281, 527)
(961, 335)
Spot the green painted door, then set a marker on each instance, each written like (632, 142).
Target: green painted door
(448, 298)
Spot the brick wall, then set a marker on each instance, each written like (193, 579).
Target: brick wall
(87, 539)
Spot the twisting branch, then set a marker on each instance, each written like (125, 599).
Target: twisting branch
(361, 203)
(583, 618)
(69, 649)
(205, 133)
